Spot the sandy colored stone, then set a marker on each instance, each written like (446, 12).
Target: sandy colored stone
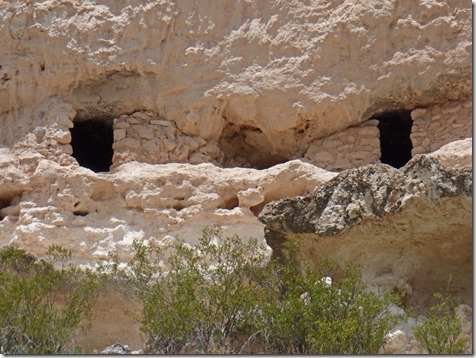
(141, 115)
(198, 158)
(419, 150)
(119, 134)
(162, 122)
(440, 125)
(247, 83)
(270, 65)
(457, 154)
(169, 145)
(143, 131)
(42, 203)
(130, 143)
(251, 197)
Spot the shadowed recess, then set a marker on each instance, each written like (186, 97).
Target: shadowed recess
(92, 144)
(247, 146)
(395, 143)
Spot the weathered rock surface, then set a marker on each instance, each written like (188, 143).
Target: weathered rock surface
(411, 229)
(43, 203)
(281, 73)
(117, 349)
(457, 154)
(370, 191)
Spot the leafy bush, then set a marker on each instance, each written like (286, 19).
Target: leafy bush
(222, 296)
(204, 298)
(325, 311)
(41, 306)
(440, 331)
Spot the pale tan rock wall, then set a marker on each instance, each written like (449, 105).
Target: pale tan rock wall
(44, 203)
(226, 82)
(438, 125)
(457, 154)
(41, 130)
(432, 128)
(350, 148)
(278, 66)
(147, 137)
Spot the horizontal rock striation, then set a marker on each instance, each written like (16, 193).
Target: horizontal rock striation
(439, 125)
(149, 120)
(43, 203)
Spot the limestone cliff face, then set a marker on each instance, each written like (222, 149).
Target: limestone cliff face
(282, 73)
(95, 213)
(222, 84)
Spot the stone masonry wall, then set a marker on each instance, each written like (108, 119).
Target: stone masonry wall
(352, 147)
(439, 125)
(147, 138)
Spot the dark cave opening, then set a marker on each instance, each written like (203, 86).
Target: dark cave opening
(395, 142)
(9, 203)
(92, 144)
(4, 203)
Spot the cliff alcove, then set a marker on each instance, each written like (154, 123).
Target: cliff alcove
(395, 142)
(4, 203)
(92, 144)
(9, 203)
(247, 146)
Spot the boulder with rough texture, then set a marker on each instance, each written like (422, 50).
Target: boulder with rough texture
(117, 349)
(411, 229)
(457, 154)
(371, 191)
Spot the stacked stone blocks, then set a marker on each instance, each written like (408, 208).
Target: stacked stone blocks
(146, 137)
(352, 147)
(436, 126)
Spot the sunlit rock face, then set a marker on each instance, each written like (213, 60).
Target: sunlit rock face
(132, 120)
(270, 77)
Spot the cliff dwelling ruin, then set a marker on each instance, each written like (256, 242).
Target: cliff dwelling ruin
(197, 115)
(391, 137)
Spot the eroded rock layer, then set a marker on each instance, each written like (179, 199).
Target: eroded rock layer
(126, 120)
(43, 203)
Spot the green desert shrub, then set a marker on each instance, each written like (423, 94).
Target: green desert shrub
(440, 331)
(223, 296)
(41, 306)
(324, 311)
(203, 299)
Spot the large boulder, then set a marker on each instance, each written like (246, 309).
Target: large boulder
(411, 229)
